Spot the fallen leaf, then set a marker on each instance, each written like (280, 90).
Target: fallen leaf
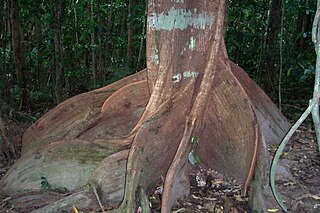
(218, 182)
(179, 210)
(75, 210)
(273, 210)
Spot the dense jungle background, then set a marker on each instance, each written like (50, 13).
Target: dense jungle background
(53, 50)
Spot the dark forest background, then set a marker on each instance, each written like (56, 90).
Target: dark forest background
(52, 50)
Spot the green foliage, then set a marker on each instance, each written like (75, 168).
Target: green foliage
(45, 184)
(246, 44)
(245, 39)
(77, 26)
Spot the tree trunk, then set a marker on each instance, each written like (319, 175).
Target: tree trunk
(304, 25)
(142, 39)
(122, 138)
(3, 34)
(122, 29)
(75, 20)
(99, 62)
(19, 55)
(41, 73)
(130, 35)
(109, 27)
(93, 48)
(271, 41)
(58, 67)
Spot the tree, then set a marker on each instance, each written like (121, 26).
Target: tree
(272, 38)
(130, 34)
(93, 48)
(19, 55)
(58, 67)
(191, 105)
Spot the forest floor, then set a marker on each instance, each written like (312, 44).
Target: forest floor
(210, 190)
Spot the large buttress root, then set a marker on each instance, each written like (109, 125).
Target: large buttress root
(153, 149)
(74, 138)
(66, 119)
(177, 182)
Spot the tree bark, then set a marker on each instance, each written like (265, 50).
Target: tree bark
(142, 39)
(93, 48)
(130, 34)
(58, 67)
(41, 73)
(304, 24)
(271, 41)
(99, 62)
(109, 28)
(3, 34)
(19, 55)
(75, 21)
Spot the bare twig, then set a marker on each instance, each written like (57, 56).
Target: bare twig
(98, 198)
(281, 57)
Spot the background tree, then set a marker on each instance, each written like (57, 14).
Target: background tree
(273, 29)
(19, 54)
(58, 50)
(246, 38)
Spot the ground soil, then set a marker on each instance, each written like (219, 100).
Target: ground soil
(215, 192)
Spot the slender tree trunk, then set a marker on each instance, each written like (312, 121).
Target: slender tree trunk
(93, 48)
(58, 68)
(10, 65)
(304, 24)
(99, 62)
(130, 35)
(109, 29)
(42, 74)
(19, 55)
(142, 40)
(271, 41)
(75, 20)
(122, 29)
(3, 78)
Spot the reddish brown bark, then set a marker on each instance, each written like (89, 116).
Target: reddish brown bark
(147, 123)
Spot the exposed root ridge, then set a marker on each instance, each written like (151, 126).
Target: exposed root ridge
(175, 168)
(254, 157)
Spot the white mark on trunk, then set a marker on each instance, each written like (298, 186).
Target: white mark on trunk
(178, 1)
(154, 57)
(184, 49)
(186, 74)
(179, 19)
(190, 74)
(192, 43)
(191, 158)
(176, 78)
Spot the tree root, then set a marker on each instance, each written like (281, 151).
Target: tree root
(177, 179)
(147, 163)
